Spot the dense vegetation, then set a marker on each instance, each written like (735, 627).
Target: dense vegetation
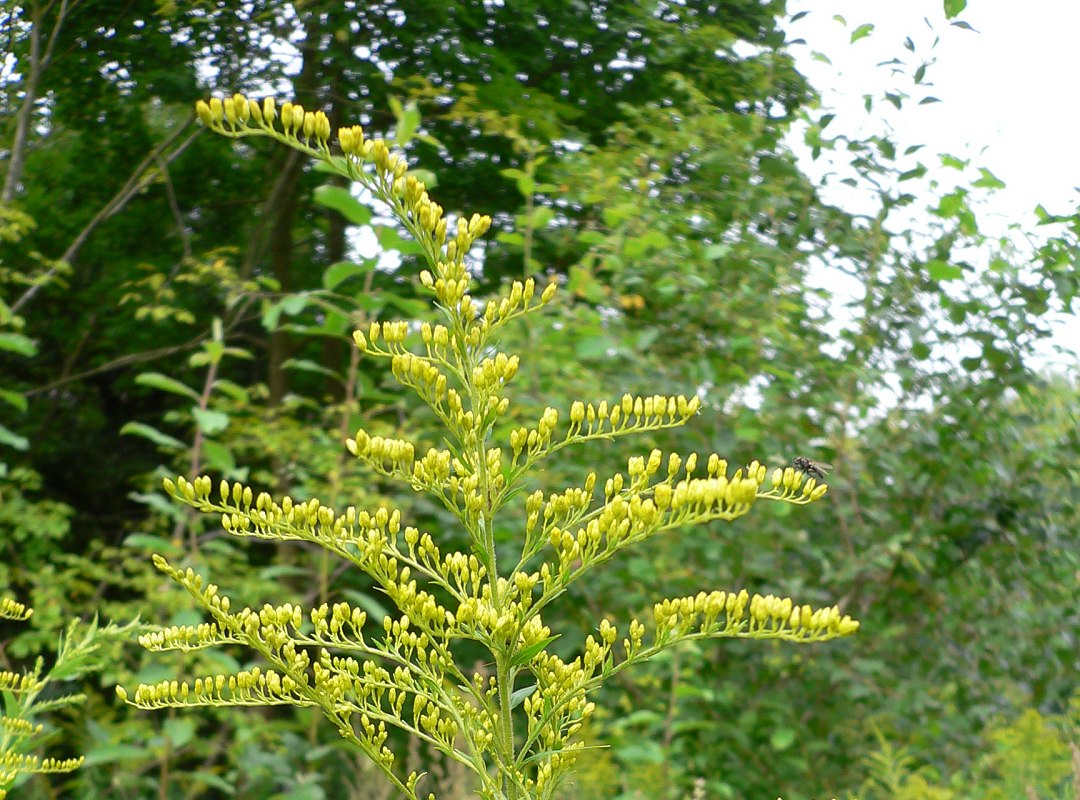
(171, 301)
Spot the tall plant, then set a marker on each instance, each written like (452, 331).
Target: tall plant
(516, 726)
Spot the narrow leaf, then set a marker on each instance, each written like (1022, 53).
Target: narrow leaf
(17, 343)
(518, 697)
(11, 439)
(153, 434)
(16, 399)
(340, 200)
(862, 31)
(522, 657)
(340, 272)
(156, 380)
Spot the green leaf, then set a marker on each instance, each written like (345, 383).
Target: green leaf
(153, 434)
(17, 343)
(11, 439)
(336, 274)
(714, 252)
(950, 204)
(518, 697)
(159, 503)
(540, 217)
(210, 779)
(218, 457)
(642, 751)
(150, 543)
(180, 730)
(646, 338)
(232, 390)
(340, 200)
(407, 123)
(592, 347)
(291, 304)
(15, 399)
(277, 571)
(512, 238)
(307, 365)
(943, 271)
(302, 791)
(522, 657)
(862, 31)
(409, 306)
(954, 7)
(988, 180)
(156, 380)
(915, 172)
(209, 421)
(390, 238)
(111, 753)
(781, 739)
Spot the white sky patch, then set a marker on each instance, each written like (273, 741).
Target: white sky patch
(1006, 91)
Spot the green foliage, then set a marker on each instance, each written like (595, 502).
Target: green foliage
(1033, 756)
(26, 697)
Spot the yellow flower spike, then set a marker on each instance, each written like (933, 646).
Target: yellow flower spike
(458, 370)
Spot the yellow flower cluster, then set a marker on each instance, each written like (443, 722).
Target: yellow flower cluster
(19, 682)
(746, 616)
(12, 609)
(11, 764)
(186, 637)
(254, 687)
(237, 111)
(791, 486)
(21, 728)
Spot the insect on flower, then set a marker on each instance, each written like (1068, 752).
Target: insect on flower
(815, 469)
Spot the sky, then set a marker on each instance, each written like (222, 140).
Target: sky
(1008, 92)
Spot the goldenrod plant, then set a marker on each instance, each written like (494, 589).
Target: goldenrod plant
(514, 726)
(20, 730)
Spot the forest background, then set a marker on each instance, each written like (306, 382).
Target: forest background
(171, 301)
